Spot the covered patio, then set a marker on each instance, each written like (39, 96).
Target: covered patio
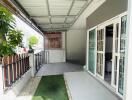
(82, 53)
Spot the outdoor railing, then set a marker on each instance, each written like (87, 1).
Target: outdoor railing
(39, 60)
(13, 67)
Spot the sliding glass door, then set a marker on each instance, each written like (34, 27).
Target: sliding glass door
(100, 52)
(122, 54)
(92, 51)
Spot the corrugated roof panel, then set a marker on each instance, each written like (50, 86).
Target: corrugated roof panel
(59, 7)
(44, 12)
(70, 20)
(77, 7)
(36, 11)
(58, 26)
(45, 26)
(42, 20)
(32, 2)
(35, 7)
(58, 20)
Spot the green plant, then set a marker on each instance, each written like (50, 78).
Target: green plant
(33, 40)
(9, 36)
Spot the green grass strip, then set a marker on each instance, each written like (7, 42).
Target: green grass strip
(51, 88)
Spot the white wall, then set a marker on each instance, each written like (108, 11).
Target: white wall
(56, 56)
(76, 46)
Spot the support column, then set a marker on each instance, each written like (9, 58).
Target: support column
(128, 68)
(1, 81)
(32, 64)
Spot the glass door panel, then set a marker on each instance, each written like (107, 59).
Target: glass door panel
(92, 50)
(115, 53)
(122, 55)
(100, 52)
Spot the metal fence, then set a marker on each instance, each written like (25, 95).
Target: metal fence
(39, 60)
(13, 67)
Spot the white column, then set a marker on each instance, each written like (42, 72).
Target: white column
(32, 64)
(128, 68)
(1, 81)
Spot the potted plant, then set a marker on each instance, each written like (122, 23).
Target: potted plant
(10, 37)
(33, 40)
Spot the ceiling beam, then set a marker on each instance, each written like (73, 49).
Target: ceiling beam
(48, 8)
(42, 24)
(57, 16)
(56, 29)
(73, 1)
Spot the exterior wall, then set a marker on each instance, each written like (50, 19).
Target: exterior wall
(76, 46)
(109, 9)
(56, 55)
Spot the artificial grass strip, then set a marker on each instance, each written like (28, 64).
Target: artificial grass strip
(51, 88)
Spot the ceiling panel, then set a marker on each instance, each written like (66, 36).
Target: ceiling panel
(53, 14)
(32, 2)
(70, 20)
(58, 26)
(35, 7)
(59, 7)
(36, 11)
(42, 20)
(58, 20)
(45, 26)
(77, 7)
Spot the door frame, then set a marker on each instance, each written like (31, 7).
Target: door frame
(87, 63)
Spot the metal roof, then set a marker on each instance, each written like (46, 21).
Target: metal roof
(53, 15)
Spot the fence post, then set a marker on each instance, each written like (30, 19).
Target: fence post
(32, 64)
(1, 81)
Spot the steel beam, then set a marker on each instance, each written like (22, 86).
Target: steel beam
(55, 16)
(48, 8)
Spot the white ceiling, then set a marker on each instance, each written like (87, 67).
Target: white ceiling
(52, 15)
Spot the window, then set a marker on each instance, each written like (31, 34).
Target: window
(53, 40)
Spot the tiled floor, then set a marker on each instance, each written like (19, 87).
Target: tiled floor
(58, 68)
(83, 86)
(48, 69)
(80, 85)
(29, 89)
